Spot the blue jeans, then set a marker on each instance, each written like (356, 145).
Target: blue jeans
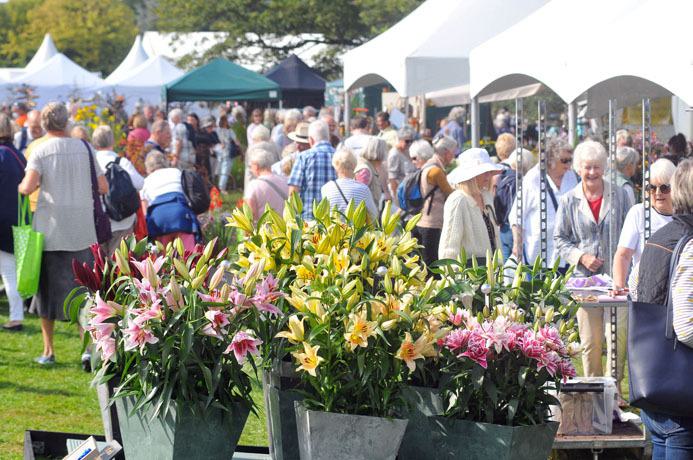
(672, 437)
(506, 239)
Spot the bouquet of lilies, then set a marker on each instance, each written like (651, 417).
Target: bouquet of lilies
(171, 325)
(357, 295)
(500, 369)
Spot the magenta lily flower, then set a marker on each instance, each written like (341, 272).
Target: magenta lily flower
(218, 320)
(243, 343)
(103, 311)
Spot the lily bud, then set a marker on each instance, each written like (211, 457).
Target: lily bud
(216, 278)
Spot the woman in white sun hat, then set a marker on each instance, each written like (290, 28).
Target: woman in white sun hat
(468, 214)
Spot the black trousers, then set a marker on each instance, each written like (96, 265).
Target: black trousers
(429, 239)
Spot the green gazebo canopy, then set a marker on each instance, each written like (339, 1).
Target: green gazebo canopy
(221, 80)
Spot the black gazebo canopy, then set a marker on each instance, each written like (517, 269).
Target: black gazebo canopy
(300, 84)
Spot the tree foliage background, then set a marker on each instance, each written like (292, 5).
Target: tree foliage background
(98, 33)
(273, 29)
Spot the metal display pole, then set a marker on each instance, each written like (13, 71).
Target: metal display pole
(543, 184)
(347, 113)
(612, 228)
(519, 132)
(572, 123)
(476, 130)
(646, 143)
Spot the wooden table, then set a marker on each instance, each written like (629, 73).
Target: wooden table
(623, 436)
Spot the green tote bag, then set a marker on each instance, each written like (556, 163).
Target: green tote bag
(28, 249)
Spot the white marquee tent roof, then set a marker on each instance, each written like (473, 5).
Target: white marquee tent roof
(145, 81)
(59, 78)
(429, 49)
(46, 51)
(134, 58)
(646, 63)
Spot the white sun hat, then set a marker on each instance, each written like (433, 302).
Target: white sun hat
(471, 163)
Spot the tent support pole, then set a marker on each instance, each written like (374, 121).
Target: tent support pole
(519, 131)
(612, 230)
(646, 142)
(475, 122)
(572, 123)
(422, 123)
(543, 183)
(281, 104)
(347, 113)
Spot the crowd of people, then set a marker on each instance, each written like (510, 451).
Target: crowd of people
(469, 202)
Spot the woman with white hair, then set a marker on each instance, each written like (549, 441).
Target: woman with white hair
(586, 216)
(103, 142)
(67, 174)
(267, 188)
(560, 179)
(420, 152)
(469, 221)
(632, 241)
(435, 189)
(672, 434)
(369, 166)
(344, 189)
(626, 165)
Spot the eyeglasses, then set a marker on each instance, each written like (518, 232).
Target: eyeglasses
(664, 188)
(566, 161)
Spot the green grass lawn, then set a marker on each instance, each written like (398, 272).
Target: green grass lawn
(58, 398)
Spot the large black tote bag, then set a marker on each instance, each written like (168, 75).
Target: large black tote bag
(660, 368)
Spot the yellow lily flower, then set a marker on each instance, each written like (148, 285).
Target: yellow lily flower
(360, 330)
(309, 360)
(410, 351)
(296, 330)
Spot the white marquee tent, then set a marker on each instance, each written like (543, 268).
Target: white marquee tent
(134, 58)
(60, 78)
(429, 49)
(46, 51)
(143, 83)
(646, 63)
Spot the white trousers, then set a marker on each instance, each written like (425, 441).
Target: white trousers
(8, 270)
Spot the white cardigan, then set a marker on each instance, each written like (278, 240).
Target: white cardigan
(464, 227)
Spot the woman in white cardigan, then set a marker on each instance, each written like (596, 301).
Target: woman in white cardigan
(468, 214)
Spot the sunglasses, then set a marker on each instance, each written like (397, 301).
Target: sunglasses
(566, 161)
(408, 141)
(664, 188)
(414, 158)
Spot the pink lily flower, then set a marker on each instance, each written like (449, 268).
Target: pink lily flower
(107, 345)
(104, 311)
(244, 342)
(153, 312)
(218, 321)
(137, 336)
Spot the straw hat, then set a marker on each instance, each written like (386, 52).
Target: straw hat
(300, 134)
(471, 163)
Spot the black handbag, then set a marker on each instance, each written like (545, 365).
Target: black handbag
(659, 367)
(102, 223)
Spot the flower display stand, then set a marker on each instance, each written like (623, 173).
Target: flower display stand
(331, 436)
(182, 435)
(463, 439)
(422, 404)
(278, 385)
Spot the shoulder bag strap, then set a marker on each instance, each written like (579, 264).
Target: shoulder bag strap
(21, 160)
(279, 192)
(672, 270)
(429, 195)
(341, 193)
(23, 210)
(553, 197)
